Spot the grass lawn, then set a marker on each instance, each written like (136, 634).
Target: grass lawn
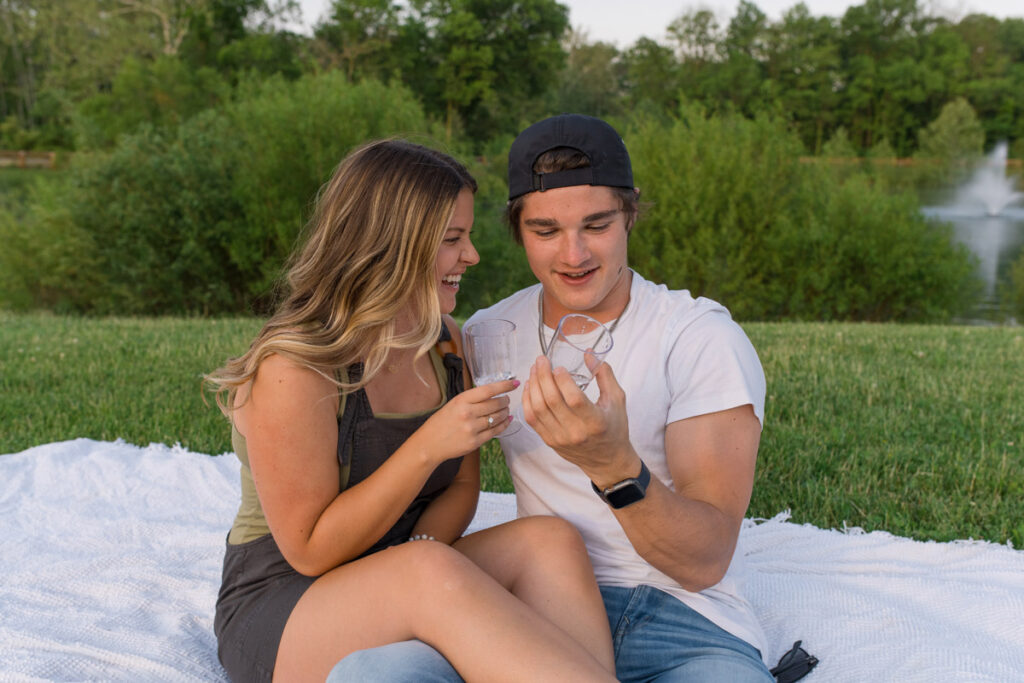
(917, 430)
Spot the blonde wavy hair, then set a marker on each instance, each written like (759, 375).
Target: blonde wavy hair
(369, 256)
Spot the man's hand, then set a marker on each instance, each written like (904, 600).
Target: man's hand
(593, 436)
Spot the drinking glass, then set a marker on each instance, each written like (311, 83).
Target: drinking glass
(580, 345)
(491, 353)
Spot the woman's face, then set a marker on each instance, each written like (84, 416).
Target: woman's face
(457, 252)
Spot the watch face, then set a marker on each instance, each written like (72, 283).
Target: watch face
(629, 493)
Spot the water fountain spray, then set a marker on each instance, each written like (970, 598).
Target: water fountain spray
(989, 186)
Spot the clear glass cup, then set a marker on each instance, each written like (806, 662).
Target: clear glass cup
(580, 345)
(491, 354)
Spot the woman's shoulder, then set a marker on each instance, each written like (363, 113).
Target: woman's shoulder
(281, 384)
(285, 373)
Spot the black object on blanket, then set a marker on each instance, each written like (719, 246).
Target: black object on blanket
(794, 665)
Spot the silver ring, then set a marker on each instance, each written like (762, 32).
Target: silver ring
(490, 420)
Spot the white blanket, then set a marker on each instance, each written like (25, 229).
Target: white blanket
(111, 559)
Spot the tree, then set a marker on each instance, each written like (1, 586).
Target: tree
(55, 54)
(653, 76)
(466, 71)
(174, 18)
(162, 93)
(741, 78)
(956, 135)
(899, 67)
(996, 54)
(590, 83)
(696, 36)
(356, 33)
(803, 67)
(525, 39)
(476, 63)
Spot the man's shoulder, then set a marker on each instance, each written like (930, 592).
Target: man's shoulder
(675, 309)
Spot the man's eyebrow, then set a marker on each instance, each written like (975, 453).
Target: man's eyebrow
(551, 222)
(600, 215)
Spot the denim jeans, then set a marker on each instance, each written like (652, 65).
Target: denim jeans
(656, 638)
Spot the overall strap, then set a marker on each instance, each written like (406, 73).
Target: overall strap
(451, 356)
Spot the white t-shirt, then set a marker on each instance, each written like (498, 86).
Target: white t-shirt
(675, 357)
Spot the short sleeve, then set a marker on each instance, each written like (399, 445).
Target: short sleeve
(712, 366)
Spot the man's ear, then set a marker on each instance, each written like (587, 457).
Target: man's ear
(630, 222)
(631, 219)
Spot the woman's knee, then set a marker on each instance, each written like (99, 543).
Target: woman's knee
(551, 538)
(434, 566)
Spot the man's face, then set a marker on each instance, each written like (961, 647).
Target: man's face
(575, 240)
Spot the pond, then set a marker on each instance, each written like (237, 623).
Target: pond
(987, 215)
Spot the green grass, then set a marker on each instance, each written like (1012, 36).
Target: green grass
(917, 430)
(138, 379)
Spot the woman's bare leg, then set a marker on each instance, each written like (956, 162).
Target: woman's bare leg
(543, 562)
(429, 591)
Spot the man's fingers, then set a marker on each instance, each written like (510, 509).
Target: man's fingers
(607, 385)
(544, 397)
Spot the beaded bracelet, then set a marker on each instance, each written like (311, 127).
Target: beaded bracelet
(421, 537)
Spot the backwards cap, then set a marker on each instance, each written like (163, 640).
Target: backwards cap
(609, 160)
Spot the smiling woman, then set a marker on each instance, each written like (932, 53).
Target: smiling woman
(457, 252)
(359, 450)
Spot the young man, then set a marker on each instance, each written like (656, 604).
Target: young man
(654, 462)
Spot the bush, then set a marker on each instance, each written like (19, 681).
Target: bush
(955, 135)
(718, 187)
(162, 93)
(160, 210)
(290, 137)
(200, 218)
(949, 145)
(736, 217)
(865, 254)
(47, 261)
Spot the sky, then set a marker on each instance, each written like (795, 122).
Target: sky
(621, 24)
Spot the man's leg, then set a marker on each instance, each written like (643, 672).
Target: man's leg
(658, 638)
(410, 661)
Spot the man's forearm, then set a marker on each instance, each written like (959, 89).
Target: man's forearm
(689, 540)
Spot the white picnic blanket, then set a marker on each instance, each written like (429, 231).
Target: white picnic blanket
(111, 557)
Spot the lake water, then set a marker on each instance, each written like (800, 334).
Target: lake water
(996, 241)
(987, 215)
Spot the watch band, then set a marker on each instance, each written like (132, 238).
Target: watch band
(627, 491)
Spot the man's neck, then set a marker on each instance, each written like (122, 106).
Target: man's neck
(611, 308)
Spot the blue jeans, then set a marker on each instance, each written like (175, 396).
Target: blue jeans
(656, 638)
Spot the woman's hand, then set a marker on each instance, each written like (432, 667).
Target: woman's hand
(466, 422)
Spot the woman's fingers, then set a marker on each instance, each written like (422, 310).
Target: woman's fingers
(483, 391)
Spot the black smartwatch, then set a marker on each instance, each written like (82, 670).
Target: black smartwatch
(627, 491)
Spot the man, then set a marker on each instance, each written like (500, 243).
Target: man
(654, 462)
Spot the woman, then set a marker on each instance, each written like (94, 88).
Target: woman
(361, 462)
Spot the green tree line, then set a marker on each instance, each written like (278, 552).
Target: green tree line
(199, 147)
(77, 74)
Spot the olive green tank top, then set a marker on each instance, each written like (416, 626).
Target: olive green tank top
(250, 523)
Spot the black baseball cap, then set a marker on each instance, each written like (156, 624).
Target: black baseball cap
(609, 160)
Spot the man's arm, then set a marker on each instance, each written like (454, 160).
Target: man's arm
(690, 533)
